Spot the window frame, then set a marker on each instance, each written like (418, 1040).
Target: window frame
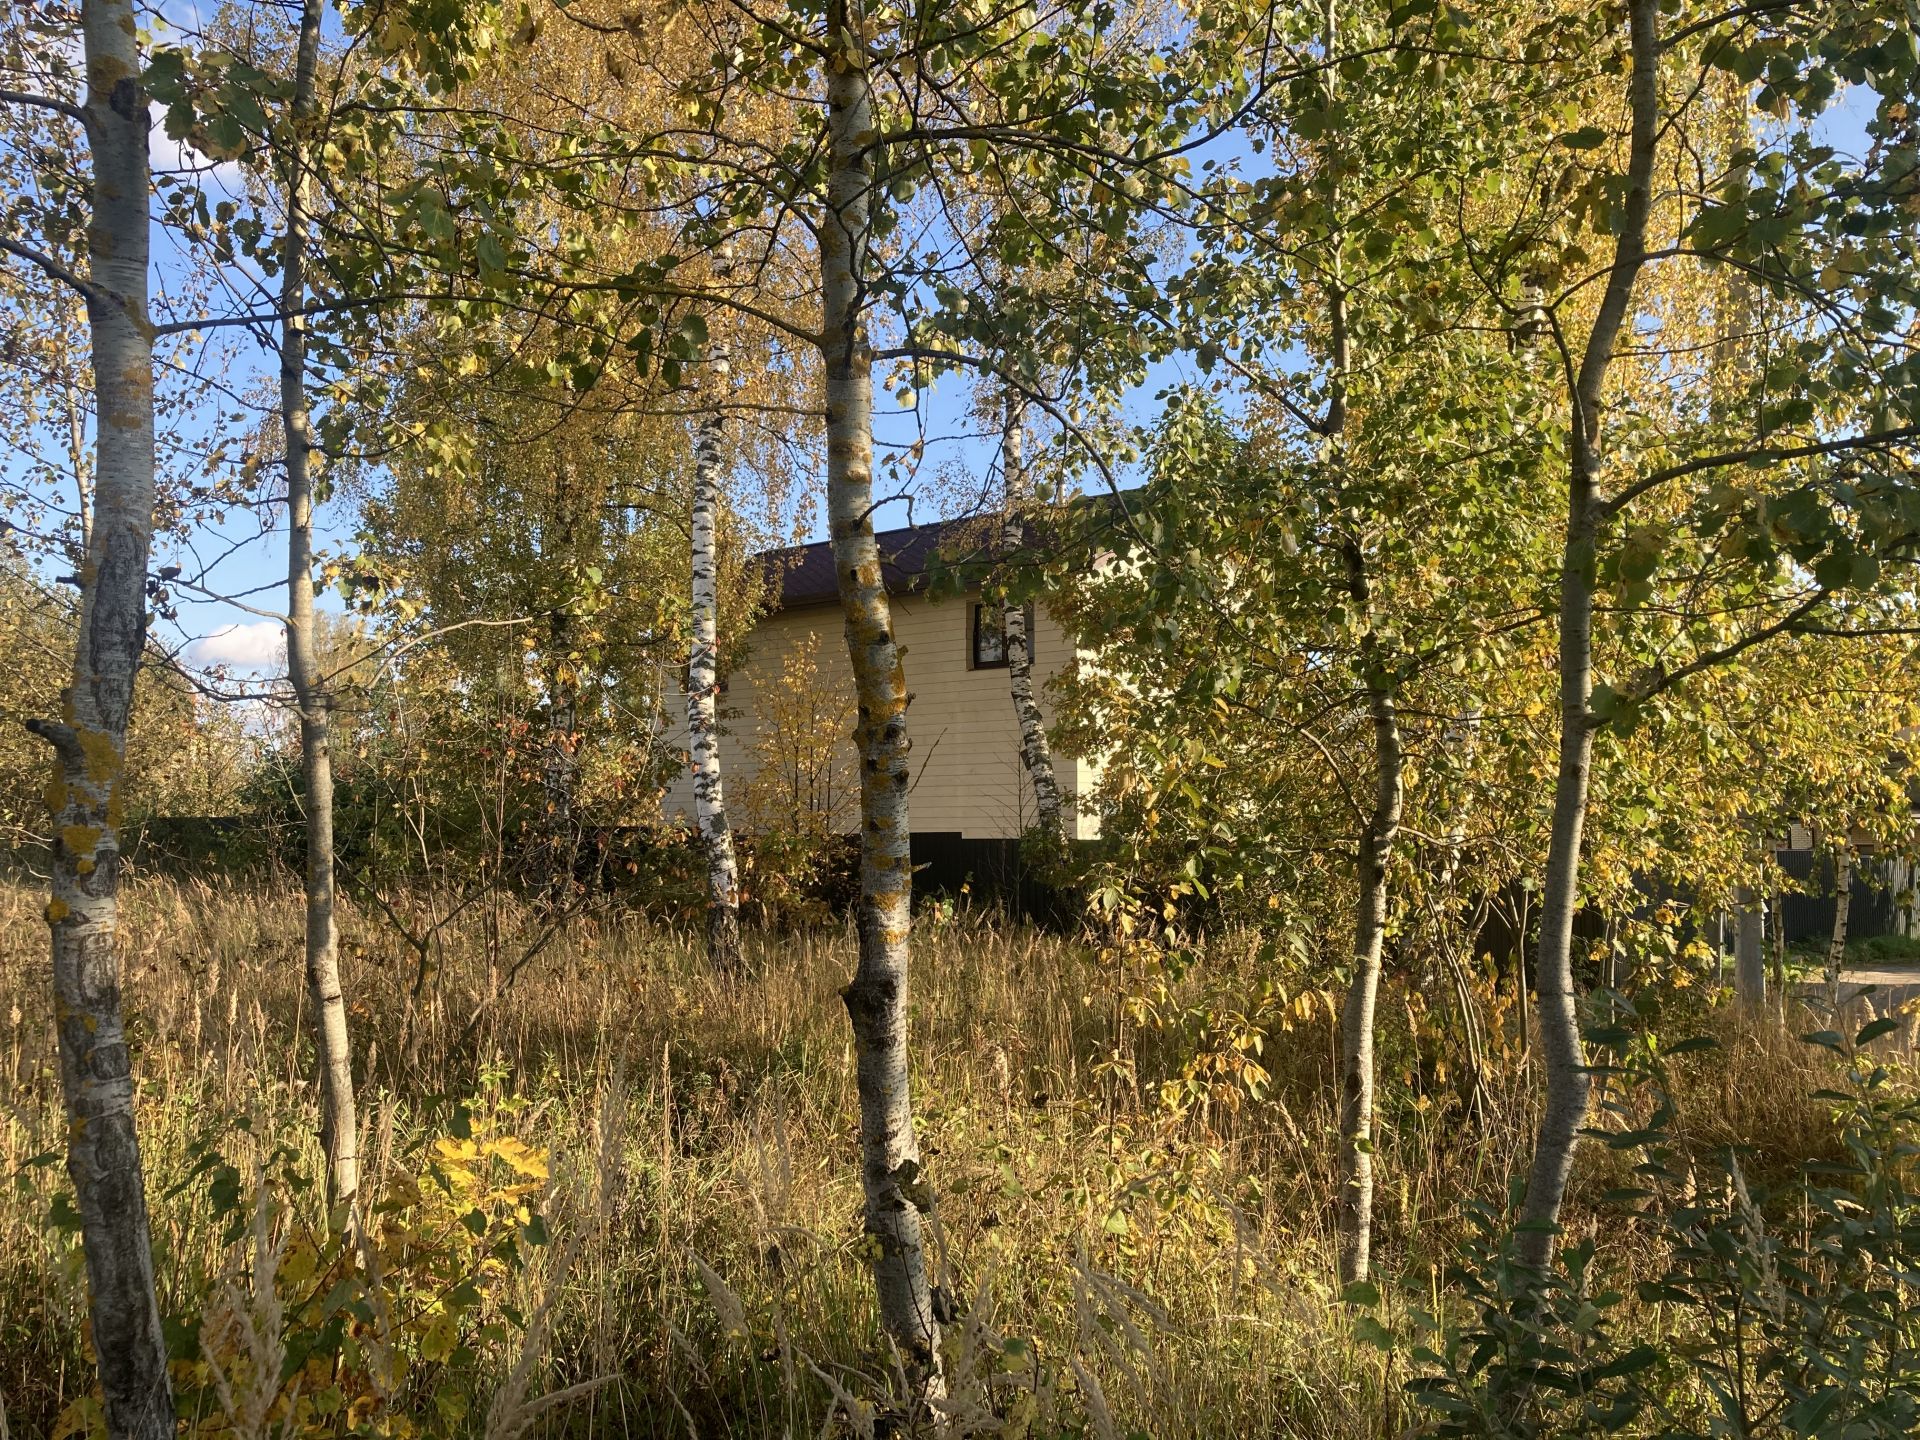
(976, 611)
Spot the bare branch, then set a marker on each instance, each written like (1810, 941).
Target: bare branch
(44, 102)
(53, 268)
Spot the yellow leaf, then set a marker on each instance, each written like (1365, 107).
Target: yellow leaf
(441, 1338)
(300, 1261)
(403, 1192)
(83, 1419)
(456, 1151)
(523, 1156)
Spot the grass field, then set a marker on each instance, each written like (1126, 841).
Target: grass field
(634, 1186)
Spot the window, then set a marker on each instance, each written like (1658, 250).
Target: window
(989, 641)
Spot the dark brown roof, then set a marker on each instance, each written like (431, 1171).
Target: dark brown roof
(804, 574)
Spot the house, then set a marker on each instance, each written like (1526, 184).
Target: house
(787, 711)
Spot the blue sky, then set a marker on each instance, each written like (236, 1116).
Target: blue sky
(957, 463)
(253, 557)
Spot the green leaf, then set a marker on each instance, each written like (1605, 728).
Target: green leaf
(1834, 570)
(1691, 1044)
(493, 258)
(224, 1192)
(1587, 137)
(62, 1216)
(1373, 1332)
(1641, 1357)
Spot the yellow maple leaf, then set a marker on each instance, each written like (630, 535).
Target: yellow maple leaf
(521, 1156)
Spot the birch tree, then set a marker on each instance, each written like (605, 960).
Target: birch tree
(1343, 276)
(1036, 754)
(1382, 822)
(339, 1123)
(1808, 525)
(89, 740)
(1842, 909)
(877, 996)
(1567, 1082)
(272, 102)
(864, 138)
(703, 664)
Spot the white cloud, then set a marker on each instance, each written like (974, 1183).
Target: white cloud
(168, 156)
(258, 646)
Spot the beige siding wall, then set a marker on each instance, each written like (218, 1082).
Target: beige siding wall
(966, 742)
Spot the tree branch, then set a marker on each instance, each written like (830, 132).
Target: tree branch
(1769, 456)
(1664, 680)
(53, 268)
(64, 739)
(44, 102)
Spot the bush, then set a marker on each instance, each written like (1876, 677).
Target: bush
(789, 882)
(1789, 1311)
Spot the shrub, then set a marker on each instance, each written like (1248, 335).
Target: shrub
(1788, 1311)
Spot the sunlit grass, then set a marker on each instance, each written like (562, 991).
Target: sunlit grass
(1115, 1265)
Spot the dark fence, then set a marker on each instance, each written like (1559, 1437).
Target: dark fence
(994, 872)
(946, 864)
(1873, 909)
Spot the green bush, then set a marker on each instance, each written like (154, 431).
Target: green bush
(1791, 1311)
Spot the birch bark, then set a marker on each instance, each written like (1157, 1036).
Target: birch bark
(1749, 948)
(703, 663)
(89, 742)
(339, 1124)
(1842, 908)
(1568, 1083)
(1369, 939)
(1035, 753)
(877, 998)
(1382, 822)
(560, 760)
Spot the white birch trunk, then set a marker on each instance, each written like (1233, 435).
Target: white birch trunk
(559, 759)
(1035, 753)
(1749, 948)
(1369, 939)
(703, 663)
(1567, 1082)
(339, 1123)
(1375, 849)
(877, 999)
(86, 792)
(1842, 908)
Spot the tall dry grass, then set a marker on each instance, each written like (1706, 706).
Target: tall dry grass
(1113, 1265)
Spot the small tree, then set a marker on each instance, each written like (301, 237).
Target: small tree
(87, 793)
(799, 778)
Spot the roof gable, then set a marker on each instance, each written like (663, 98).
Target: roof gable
(804, 574)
